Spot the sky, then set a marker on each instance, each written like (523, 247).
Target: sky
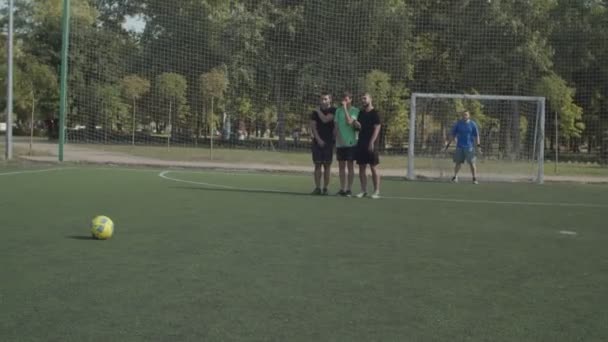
(134, 24)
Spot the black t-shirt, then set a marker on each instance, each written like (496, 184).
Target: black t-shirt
(326, 130)
(367, 120)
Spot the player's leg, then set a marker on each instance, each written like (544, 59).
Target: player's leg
(326, 176)
(316, 159)
(317, 190)
(457, 167)
(471, 161)
(375, 180)
(328, 157)
(342, 174)
(373, 165)
(351, 176)
(459, 158)
(362, 179)
(340, 156)
(474, 172)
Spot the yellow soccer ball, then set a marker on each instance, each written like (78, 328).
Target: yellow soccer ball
(102, 228)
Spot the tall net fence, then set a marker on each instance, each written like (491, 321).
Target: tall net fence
(152, 76)
(233, 74)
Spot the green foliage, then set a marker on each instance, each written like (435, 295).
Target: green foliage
(390, 98)
(171, 87)
(113, 109)
(134, 87)
(560, 99)
(214, 85)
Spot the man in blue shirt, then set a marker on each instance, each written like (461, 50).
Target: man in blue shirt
(466, 134)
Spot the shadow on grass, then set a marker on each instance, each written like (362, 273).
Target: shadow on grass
(251, 191)
(80, 237)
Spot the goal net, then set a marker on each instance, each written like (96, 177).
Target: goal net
(511, 131)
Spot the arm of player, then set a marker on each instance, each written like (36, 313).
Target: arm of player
(349, 119)
(315, 133)
(337, 136)
(325, 118)
(450, 141)
(375, 135)
(452, 138)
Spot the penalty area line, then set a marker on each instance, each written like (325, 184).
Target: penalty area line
(32, 171)
(164, 175)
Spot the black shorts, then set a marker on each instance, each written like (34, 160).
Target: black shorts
(345, 153)
(364, 156)
(322, 155)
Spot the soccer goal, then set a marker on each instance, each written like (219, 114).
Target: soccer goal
(511, 130)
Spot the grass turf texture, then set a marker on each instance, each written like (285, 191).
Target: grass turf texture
(190, 262)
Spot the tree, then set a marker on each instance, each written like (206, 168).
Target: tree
(114, 111)
(560, 99)
(213, 87)
(390, 99)
(133, 88)
(43, 92)
(35, 88)
(580, 40)
(171, 87)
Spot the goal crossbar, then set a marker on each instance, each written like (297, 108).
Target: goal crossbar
(479, 97)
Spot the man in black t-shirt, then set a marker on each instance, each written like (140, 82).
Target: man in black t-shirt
(367, 152)
(322, 127)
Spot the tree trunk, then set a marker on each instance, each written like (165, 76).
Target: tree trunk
(422, 132)
(105, 124)
(211, 131)
(516, 148)
(505, 135)
(196, 129)
(32, 123)
(280, 117)
(133, 123)
(170, 127)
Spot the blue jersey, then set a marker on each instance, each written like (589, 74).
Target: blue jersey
(465, 133)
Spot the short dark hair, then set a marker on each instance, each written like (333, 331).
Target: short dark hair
(347, 94)
(325, 93)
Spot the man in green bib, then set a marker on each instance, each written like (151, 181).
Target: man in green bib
(346, 141)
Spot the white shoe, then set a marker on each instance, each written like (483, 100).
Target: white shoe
(361, 195)
(376, 195)
(454, 179)
(475, 182)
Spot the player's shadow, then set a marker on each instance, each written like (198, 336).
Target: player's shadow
(249, 191)
(80, 237)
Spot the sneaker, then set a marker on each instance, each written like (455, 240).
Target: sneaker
(324, 193)
(341, 193)
(376, 195)
(316, 191)
(348, 193)
(454, 179)
(475, 181)
(361, 195)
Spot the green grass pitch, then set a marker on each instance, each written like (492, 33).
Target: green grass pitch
(212, 256)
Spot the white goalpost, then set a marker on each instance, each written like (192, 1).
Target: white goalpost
(511, 130)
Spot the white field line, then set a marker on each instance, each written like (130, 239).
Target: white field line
(164, 175)
(32, 171)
